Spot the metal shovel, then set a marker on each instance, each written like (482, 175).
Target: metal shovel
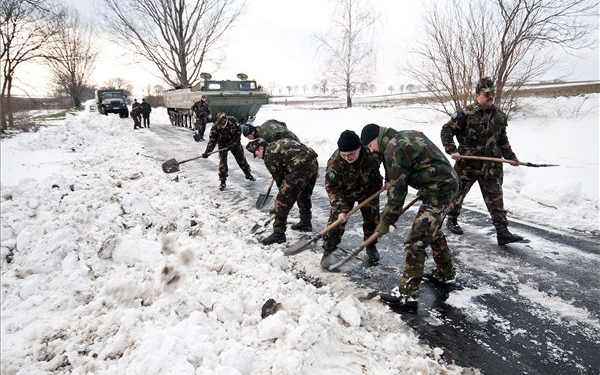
(368, 241)
(499, 160)
(258, 226)
(303, 244)
(172, 165)
(263, 198)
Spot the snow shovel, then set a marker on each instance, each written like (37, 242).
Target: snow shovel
(258, 226)
(303, 244)
(498, 160)
(172, 165)
(368, 241)
(263, 198)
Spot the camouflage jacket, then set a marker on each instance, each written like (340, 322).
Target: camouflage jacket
(412, 159)
(348, 183)
(135, 111)
(201, 109)
(274, 130)
(145, 108)
(286, 156)
(225, 134)
(479, 132)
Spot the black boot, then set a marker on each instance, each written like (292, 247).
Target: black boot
(222, 185)
(373, 254)
(505, 237)
(273, 238)
(395, 299)
(250, 177)
(303, 226)
(452, 225)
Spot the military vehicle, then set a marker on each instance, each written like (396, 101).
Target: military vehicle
(112, 101)
(241, 99)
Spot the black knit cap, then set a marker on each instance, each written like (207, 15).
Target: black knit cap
(247, 129)
(369, 133)
(348, 141)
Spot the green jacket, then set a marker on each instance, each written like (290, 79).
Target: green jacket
(273, 130)
(479, 132)
(348, 183)
(286, 156)
(412, 159)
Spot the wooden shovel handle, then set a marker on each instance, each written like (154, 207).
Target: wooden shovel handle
(352, 211)
(210, 153)
(486, 158)
(270, 186)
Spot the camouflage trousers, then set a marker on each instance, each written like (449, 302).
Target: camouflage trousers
(426, 231)
(136, 122)
(370, 215)
(297, 187)
(491, 190)
(240, 158)
(200, 126)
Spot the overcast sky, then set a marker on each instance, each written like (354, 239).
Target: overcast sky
(272, 43)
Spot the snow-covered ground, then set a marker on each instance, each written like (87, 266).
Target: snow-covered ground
(118, 268)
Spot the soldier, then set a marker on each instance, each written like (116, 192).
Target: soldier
(271, 130)
(481, 131)
(135, 115)
(200, 108)
(226, 133)
(352, 175)
(294, 168)
(412, 159)
(145, 110)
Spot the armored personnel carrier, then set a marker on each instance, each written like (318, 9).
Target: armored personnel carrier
(241, 99)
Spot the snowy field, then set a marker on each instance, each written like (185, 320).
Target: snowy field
(118, 268)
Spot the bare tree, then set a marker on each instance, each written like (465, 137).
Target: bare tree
(25, 28)
(508, 40)
(71, 56)
(178, 36)
(159, 90)
(348, 48)
(119, 83)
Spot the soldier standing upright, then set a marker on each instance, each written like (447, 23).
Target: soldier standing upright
(294, 168)
(145, 110)
(352, 175)
(202, 112)
(412, 159)
(480, 129)
(271, 130)
(226, 132)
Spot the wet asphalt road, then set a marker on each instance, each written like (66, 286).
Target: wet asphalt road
(530, 308)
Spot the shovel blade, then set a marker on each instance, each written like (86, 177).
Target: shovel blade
(297, 248)
(170, 166)
(262, 200)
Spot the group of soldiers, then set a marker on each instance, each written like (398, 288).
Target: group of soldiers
(140, 112)
(353, 176)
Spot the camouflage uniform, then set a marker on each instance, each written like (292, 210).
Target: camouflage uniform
(273, 130)
(480, 132)
(411, 159)
(201, 110)
(294, 168)
(135, 115)
(226, 132)
(346, 184)
(145, 110)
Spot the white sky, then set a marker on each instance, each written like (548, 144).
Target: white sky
(272, 43)
(92, 222)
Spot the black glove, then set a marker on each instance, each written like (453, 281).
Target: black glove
(205, 155)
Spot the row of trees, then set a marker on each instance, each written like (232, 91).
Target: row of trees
(33, 30)
(461, 42)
